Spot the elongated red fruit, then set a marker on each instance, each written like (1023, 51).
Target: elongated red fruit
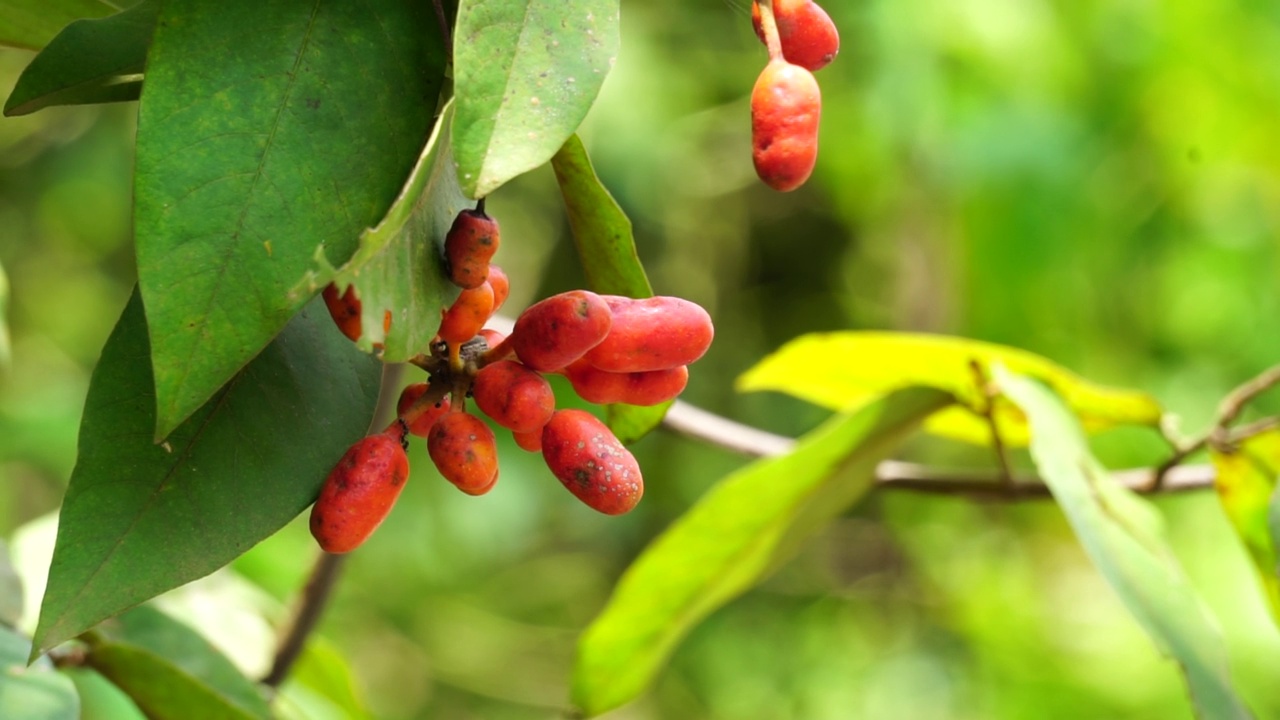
(501, 286)
(552, 333)
(420, 419)
(516, 397)
(531, 441)
(344, 308)
(468, 247)
(360, 491)
(465, 452)
(591, 463)
(463, 320)
(633, 388)
(786, 106)
(808, 37)
(657, 333)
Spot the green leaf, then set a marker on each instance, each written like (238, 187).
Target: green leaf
(90, 61)
(5, 352)
(1124, 537)
(607, 250)
(740, 531)
(266, 130)
(526, 72)
(1246, 485)
(398, 270)
(37, 692)
(139, 519)
(169, 671)
(99, 699)
(324, 672)
(844, 370)
(31, 24)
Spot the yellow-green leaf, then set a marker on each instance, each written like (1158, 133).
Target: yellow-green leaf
(1246, 484)
(846, 370)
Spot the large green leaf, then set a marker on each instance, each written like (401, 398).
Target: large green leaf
(1124, 537)
(1246, 484)
(31, 24)
(90, 61)
(526, 73)
(266, 130)
(169, 671)
(844, 370)
(607, 250)
(140, 518)
(37, 692)
(398, 270)
(99, 699)
(731, 539)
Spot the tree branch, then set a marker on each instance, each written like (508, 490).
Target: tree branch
(327, 568)
(694, 422)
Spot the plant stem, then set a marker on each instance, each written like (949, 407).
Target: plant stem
(442, 19)
(769, 26)
(327, 568)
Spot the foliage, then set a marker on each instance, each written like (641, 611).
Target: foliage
(1070, 179)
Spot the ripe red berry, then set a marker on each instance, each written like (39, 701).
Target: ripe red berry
(786, 106)
(468, 247)
(531, 441)
(633, 388)
(420, 419)
(463, 320)
(465, 452)
(553, 333)
(501, 286)
(657, 333)
(360, 491)
(808, 37)
(516, 397)
(345, 309)
(590, 462)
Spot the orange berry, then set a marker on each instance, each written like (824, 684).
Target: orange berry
(465, 452)
(808, 37)
(516, 397)
(554, 332)
(590, 462)
(360, 491)
(786, 106)
(657, 333)
(344, 309)
(420, 419)
(469, 245)
(467, 315)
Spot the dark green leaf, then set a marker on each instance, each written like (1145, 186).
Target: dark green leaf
(31, 24)
(99, 699)
(1124, 537)
(266, 130)
(526, 73)
(90, 61)
(140, 518)
(607, 250)
(37, 692)
(398, 271)
(739, 532)
(171, 672)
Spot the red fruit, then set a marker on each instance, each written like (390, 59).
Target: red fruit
(465, 452)
(808, 37)
(501, 286)
(463, 320)
(553, 333)
(516, 397)
(633, 388)
(657, 333)
(345, 309)
(360, 491)
(531, 441)
(492, 337)
(591, 463)
(468, 247)
(420, 419)
(786, 106)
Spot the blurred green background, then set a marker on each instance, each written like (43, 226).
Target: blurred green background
(1098, 182)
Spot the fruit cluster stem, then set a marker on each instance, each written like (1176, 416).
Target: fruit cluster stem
(769, 25)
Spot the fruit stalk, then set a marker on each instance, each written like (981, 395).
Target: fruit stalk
(769, 25)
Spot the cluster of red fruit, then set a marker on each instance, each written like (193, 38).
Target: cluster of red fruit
(611, 349)
(786, 104)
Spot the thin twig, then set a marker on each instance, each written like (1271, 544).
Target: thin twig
(327, 568)
(989, 413)
(1218, 433)
(443, 19)
(694, 422)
